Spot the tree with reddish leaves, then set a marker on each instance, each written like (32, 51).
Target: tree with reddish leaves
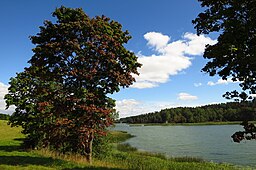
(61, 98)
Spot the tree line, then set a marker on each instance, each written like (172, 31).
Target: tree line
(232, 111)
(4, 116)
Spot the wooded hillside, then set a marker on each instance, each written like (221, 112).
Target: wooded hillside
(210, 113)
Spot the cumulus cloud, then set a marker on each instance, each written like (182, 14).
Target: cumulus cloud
(253, 95)
(3, 91)
(170, 58)
(221, 82)
(127, 107)
(132, 107)
(157, 40)
(186, 96)
(195, 45)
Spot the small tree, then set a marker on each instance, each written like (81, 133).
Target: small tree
(61, 98)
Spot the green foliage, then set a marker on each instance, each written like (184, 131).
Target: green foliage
(119, 136)
(102, 147)
(126, 148)
(210, 113)
(188, 159)
(249, 132)
(234, 54)
(62, 98)
(4, 116)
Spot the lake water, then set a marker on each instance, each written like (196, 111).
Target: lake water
(212, 143)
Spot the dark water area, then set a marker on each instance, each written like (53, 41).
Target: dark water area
(210, 142)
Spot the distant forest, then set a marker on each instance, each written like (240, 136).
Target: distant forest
(232, 111)
(4, 116)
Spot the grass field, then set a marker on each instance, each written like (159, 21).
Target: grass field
(13, 157)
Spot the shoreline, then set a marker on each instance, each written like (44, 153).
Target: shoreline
(187, 124)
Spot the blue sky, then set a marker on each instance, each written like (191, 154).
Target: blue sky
(163, 38)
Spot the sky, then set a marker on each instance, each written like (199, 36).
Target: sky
(163, 39)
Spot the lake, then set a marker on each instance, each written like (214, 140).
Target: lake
(212, 143)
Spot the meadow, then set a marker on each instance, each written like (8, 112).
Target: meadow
(121, 156)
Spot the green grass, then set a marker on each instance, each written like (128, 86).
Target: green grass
(13, 157)
(119, 136)
(122, 156)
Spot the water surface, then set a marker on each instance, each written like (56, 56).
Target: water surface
(212, 143)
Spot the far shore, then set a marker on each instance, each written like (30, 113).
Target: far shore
(190, 124)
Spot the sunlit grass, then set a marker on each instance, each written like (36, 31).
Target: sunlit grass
(119, 136)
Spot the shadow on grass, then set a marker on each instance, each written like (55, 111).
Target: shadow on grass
(19, 139)
(42, 161)
(91, 168)
(15, 146)
(11, 148)
(28, 160)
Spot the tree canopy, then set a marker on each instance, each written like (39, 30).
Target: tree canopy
(61, 98)
(234, 54)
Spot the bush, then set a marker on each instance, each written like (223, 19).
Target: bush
(126, 148)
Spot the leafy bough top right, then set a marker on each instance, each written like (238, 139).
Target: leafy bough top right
(234, 53)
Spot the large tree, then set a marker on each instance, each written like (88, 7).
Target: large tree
(235, 53)
(62, 98)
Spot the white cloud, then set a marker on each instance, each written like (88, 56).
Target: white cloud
(170, 59)
(210, 83)
(156, 40)
(198, 84)
(253, 95)
(132, 107)
(127, 107)
(221, 81)
(143, 85)
(196, 44)
(186, 96)
(3, 91)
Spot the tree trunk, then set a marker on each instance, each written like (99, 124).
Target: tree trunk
(88, 149)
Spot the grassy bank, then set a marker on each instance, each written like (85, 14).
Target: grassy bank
(122, 156)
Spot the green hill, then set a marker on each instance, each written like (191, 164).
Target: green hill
(224, 112)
